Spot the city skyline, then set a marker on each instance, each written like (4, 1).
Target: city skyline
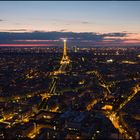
(106, 23)
(69, 70)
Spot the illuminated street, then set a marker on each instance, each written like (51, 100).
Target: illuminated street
(69, 70)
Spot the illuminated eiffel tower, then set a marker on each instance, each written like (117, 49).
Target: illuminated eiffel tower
(65, 59)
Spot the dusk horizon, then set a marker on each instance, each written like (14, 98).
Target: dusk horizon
(54, 38)
(100, 23)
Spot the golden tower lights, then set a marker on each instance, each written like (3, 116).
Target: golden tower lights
(65, 59)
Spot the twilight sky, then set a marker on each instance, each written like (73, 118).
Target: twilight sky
(101, 18)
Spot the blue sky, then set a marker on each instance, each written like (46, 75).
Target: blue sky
(111, 16)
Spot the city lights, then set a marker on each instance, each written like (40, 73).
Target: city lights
(69, 70)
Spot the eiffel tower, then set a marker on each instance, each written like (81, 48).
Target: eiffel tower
(65, 59)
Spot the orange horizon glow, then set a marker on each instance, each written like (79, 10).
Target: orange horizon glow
(26, 45)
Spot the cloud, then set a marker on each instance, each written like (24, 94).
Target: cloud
(86, 22)
(1, 20)
(17, 30)
(49, 35)
(54, 37)
(118, 34)
(73, 37)
(63, 30)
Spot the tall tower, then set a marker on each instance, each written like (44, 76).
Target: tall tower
(65, 59)
(65, 49)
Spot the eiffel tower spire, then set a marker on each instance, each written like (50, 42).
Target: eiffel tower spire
(65, 59)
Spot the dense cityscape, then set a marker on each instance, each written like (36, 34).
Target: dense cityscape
(70, 70)
(69, 92)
